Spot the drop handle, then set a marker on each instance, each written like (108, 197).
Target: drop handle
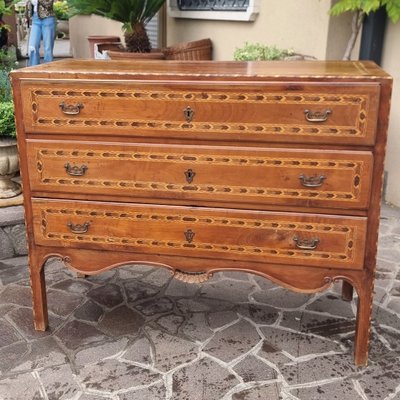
(317, 116)
(71, 109)
(188, 113)
(78, 228)
(312, 181)
(75, 170)
(189, 175)
(306, 244)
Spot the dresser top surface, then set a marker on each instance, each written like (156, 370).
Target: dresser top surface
(205, 70)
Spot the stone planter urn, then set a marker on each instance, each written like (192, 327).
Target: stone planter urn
(63, 28)
(9, 166)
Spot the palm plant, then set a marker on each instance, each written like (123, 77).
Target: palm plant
(134, 14)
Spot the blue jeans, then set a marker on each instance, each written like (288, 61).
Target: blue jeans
(41, 29)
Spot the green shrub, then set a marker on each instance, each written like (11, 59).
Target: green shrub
(8, 58)
(61, 10)
(8, 61)
(5, 87)
(260, 52)
(7, 119)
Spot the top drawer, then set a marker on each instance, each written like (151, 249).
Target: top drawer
(252, 112)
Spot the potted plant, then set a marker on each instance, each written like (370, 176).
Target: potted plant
(134, 15)
(61, 11)
(9, 161)
(261, 52)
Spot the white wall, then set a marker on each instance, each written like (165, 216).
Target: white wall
(391, 63)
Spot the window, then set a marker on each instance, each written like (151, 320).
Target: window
(239, 10)
(213, 5)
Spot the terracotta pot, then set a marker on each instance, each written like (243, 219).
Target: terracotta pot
(9, 166)
(127, 55)
(94, 39)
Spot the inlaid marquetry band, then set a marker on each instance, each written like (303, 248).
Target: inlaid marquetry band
(215, 159)
(231, 190)
(207, 127)
(204, 96)
(198, 220)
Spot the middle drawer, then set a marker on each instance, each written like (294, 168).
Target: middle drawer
(322, 178)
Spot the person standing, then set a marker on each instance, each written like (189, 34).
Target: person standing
(43, 20)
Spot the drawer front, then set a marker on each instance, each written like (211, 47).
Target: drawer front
(322, 178)
(296, 112)
(292, 239)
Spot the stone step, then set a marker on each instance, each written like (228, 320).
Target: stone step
(12, 232)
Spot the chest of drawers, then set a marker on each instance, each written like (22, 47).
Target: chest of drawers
(271, 168)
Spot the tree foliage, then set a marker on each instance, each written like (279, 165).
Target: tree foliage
(367, 6)
(360, 9)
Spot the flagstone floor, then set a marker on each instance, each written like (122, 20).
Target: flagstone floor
(134, 333)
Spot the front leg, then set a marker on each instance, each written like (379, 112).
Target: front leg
(38, 286)
(363, 321)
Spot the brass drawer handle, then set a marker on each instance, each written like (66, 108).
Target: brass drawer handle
(188, 113)
(306, 244)
(312, 181)
(317, 116)
(75, 170)
(71, 109)
(189, 174)
(78, 228)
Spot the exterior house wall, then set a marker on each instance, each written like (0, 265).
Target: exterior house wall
(82, 26)
(391, 63)
(304, 26)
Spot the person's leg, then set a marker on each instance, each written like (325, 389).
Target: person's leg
(34, 40)
(49, 34)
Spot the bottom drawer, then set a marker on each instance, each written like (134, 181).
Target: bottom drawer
(256, 236)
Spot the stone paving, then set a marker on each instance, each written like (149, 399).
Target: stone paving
(133, 333)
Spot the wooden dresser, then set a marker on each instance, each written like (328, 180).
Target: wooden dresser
(270, 168)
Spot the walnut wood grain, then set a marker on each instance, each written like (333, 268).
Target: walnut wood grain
(270, 168)
(258, 112)
(223, 174)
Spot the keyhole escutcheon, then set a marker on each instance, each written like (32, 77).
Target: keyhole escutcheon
(188, 112)
(189, 175)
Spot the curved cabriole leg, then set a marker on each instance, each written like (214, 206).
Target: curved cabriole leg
(364, 312)
(38, 285)
(347, 291)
